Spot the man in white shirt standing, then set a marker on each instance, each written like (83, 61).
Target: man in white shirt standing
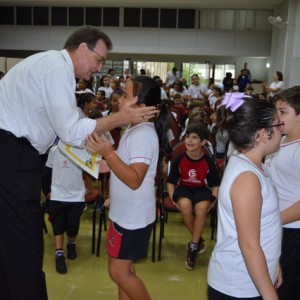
(37, 103)
(172, 76)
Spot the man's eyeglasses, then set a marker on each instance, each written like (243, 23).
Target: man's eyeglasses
(280, 125)
(101, 59)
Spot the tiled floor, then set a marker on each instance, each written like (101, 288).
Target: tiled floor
(168, 279)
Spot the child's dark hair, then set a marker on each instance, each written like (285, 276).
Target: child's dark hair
(148, 93)
(102, 93)
(291, 96)
(243, 124)
(95, 114)
(198, 128)
(85, 98)
(101, 82)
(280, 75)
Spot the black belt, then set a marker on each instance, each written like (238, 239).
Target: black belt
(21, 140)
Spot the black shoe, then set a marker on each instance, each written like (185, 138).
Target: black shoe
(60, 262)
(190, 261)
(201, 246)
(71, 251)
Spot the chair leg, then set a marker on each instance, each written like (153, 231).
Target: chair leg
(102, 211)
(94, 228)
(154, 240)
(161, 231)
(213, 224)
(104, 218)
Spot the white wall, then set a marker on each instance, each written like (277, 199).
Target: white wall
(156, 44)
(285, 55)
(155, 41)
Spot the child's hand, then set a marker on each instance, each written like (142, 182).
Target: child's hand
(99, 144)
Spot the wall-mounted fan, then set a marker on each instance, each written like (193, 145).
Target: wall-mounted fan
(276, 21)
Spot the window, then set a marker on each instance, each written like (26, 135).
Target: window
(238, 19)
(111, 16)
(24, 15)
(190, 68)
(40, 16)
(168, 18)
(132, 17)
(186, 18)
(93, 16)
(76, 16)
(150, 17)
(153, 68)
(244, 20)
(224, 19)
(59, 16)
(7, 15)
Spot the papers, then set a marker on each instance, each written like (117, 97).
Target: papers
(81, 157)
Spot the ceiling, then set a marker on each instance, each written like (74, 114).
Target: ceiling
(238, 4)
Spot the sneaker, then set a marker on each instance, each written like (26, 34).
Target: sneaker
(71, 251)
(201, 246)
(60, 263)
(190, 261)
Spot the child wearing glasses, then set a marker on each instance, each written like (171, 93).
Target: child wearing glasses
(285, 172)
(245, 260)
(132, 194)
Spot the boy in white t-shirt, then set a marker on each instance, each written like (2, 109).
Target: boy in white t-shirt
(285, 173)
(66, 204)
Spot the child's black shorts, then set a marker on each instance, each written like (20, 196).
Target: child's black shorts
(195, 194)
(128, 244)
(65, 216)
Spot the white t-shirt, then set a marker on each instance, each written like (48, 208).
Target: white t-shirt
(67, 183)
(38, 101)
(133, 209)
(107, 89)
(227, 271)
(285, 172)
(195, 91)
(174, 92)
(163, 94)
(275, 85)
(171, 77)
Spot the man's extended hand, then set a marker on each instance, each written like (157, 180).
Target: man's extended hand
(132, 114)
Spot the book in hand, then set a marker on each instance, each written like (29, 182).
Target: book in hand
(86, 160)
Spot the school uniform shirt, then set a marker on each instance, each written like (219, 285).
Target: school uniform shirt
(134, 209)
(42, 102)
(195, 91)
(285, 172)
(107, 89)
(194, 173)
(163, 94)
(67, 182)
(227, 271)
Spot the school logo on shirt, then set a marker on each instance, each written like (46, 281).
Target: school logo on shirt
(65, 164)
(192, 177)
(192, 173)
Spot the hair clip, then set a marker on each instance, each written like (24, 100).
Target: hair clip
(234, 100)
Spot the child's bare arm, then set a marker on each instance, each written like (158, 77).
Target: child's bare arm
(132, 175)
